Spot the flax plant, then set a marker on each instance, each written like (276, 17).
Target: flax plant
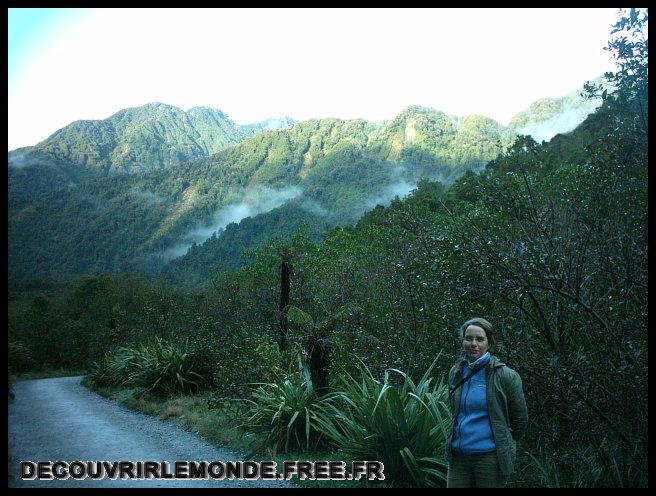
(404, 426)
(159, 368)
(114, 369)
(283, 413)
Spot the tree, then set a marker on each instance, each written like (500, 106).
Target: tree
(629, 48)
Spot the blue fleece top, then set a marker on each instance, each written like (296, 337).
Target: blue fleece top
(472, 432)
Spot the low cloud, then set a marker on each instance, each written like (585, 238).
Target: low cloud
(149, 196)
(256, 201)
(401, 189)
(313, 207)
(18, 161)
(564, 122)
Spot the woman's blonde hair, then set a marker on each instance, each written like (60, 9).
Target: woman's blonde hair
(480, 322)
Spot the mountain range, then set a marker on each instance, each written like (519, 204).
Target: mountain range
(154, 136)
(158, 189)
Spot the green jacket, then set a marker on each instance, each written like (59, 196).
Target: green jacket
(506, 406)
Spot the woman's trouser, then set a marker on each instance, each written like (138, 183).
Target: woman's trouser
(480, 470)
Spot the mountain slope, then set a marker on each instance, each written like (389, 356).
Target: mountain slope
(546, 117)
(66, 219)
(154, 136)
(136, 222)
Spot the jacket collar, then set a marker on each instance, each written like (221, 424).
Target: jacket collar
(480, 363)
(493, 363)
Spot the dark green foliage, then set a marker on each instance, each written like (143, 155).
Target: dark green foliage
(67, 219)
(283, 413)
(404, 426)
(20, 357)
(154, 136)
(159, 368)
(230, 248)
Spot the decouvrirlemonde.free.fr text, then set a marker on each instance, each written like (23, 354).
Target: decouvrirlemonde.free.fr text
(316, 470)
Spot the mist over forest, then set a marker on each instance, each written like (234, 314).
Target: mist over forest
(180, 190)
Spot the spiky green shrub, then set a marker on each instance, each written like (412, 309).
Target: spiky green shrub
(404, 426)
(113, 370)
(282, 415)
(163, 368)
(160, 368)
(97, 376)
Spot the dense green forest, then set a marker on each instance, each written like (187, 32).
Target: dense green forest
(154, 136)
(68, 217)
(546, 240)
(128, 222)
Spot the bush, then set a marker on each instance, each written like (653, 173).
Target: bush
(159, 368)
(405, 426)
(20, 356)
(251, 360)
(604, 465)
(283, 414)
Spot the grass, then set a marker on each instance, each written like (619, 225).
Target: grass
(278, 423)
(405, 426)
(282, 414)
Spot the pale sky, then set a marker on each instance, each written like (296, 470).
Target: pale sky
(71, 64)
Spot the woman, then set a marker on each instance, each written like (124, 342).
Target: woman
(489, 413)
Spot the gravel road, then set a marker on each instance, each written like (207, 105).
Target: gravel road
(59, 419)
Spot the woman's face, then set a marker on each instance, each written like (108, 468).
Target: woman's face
(475, 342)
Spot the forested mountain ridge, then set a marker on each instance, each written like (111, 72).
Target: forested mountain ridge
(267, 124)
(138, 222)
(66, 219)
(139, 139)
(547, 117)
